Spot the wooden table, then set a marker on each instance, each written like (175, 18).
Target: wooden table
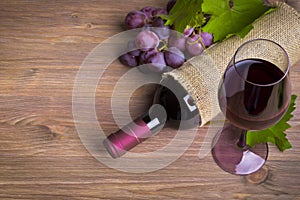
(43, 44)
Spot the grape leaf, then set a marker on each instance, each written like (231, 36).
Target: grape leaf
(185, 13)
(275, 134)
(232, 17)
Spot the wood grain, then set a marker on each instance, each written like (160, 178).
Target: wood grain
(43, 44)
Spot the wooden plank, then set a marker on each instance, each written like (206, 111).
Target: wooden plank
(43, 44)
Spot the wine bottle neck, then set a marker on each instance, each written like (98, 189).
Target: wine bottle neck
(126, 138)
(155, 118)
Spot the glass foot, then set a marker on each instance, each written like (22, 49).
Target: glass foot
(234, 159)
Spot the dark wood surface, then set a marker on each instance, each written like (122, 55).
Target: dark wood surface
(42, 45)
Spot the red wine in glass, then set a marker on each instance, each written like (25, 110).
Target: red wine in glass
(252, 101)
(254, 94)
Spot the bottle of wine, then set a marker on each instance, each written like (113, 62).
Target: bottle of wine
(180, 112)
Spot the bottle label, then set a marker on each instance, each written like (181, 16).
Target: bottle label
(153, 123)
(186, 100)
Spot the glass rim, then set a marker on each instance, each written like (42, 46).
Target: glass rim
(286, 72)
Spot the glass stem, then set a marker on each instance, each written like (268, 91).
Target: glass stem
(242, 141)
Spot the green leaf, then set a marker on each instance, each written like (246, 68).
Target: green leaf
(185, 13)
(274, 134)
(232, 17)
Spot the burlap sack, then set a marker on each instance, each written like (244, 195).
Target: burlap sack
(200, 76)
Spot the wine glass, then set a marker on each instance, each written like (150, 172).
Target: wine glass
(254, 93)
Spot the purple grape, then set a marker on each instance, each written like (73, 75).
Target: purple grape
(146, 40)
(143, 60)
(145, 55)
(178, 42)
(158, 22)
(207, 38)
(187, 32)
(132, 49)
(155, 59)
(162, 32)
(135, 19)
(159, 11)
(128, 60)
(193, 45)
(170, 5)
(148, 10)
(174, 57)
(157, 62)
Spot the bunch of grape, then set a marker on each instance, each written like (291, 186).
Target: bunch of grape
(158, 48)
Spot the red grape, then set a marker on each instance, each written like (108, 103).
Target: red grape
(159, 11)
(176, 41)
(207, 38)
(157, 62)
(135, 19)
(194, 46)
(146, 40)
(174, 57)
(155, 59)
(128, 60)
(148, 10)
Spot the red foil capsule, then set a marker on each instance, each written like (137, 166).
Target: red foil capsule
(118, 143)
